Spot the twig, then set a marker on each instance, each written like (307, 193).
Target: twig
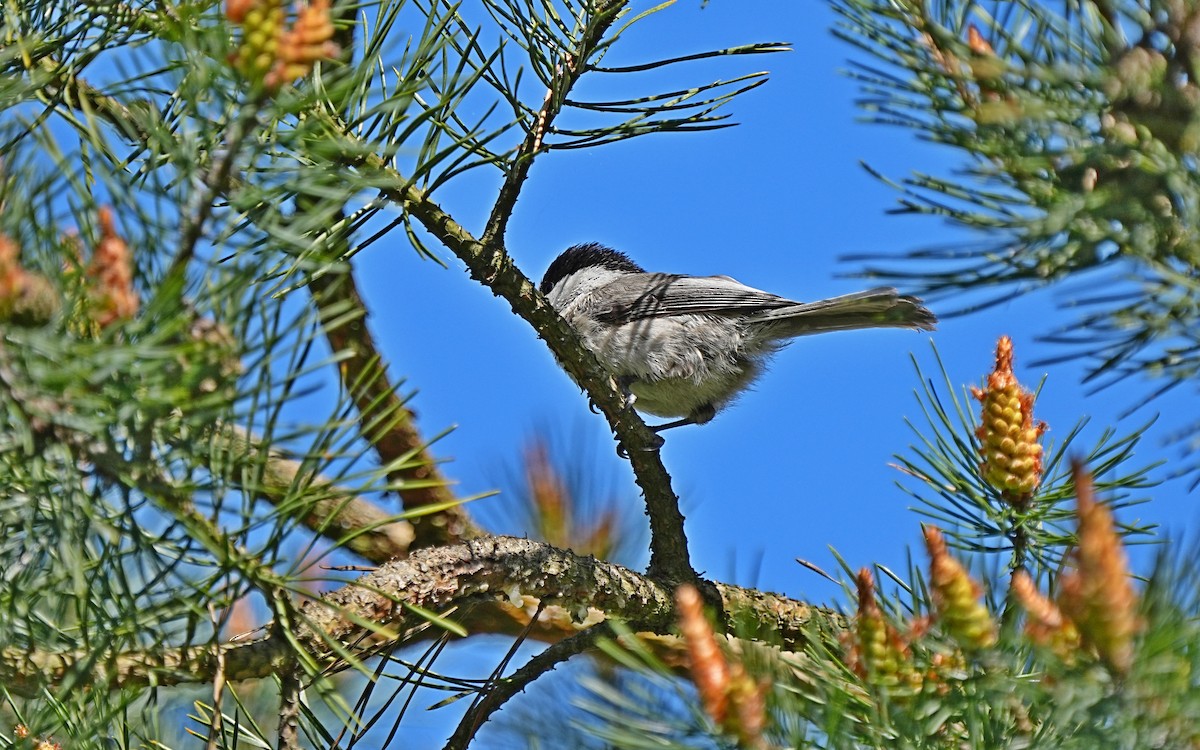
(353, 522)
(290, 688)
(544, 662)
(217, 184)
(77, 93)
(218, 689)
(566, 74)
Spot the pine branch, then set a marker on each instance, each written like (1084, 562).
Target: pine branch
(492, 267)
(76, 93)
(389, 603)
(386, 422)
(352, 522)
(290, 690)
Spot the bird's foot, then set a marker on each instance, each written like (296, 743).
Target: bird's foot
(658, 442)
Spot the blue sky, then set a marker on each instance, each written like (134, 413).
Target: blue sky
(800, 464)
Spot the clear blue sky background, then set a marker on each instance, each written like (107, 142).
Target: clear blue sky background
(801, 464)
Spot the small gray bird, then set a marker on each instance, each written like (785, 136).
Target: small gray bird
(685, 346)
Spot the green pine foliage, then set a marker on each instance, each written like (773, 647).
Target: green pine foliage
(935, 690)
(176, 289)
(1077, 124)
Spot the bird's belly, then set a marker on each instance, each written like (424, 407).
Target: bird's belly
(681, 397)
(678, 365)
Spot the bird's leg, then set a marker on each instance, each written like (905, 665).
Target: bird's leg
(626, 382)
(672, 425)
(700, 416)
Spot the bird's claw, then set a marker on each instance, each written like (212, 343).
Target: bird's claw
(656, 443)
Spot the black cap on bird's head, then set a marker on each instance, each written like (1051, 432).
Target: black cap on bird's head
(579, 257)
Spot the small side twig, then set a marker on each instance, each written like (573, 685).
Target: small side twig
(567, 73)
(215, 727)
(217, 184)
(504, 689)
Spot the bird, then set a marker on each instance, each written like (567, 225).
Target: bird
(684, 347)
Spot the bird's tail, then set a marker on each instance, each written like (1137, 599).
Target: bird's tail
(882, 307)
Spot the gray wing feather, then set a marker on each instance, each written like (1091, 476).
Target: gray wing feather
(641, 296)
(659, 295)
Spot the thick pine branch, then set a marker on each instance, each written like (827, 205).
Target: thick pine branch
(388, 603)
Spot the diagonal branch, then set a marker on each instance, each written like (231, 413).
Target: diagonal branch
(492, 267)
(353, 523)
(387, 424)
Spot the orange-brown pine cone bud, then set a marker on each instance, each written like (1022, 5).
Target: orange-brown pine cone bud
(945, 670)
(1008, 436)
(26, 298)
(956, 596)
(710, 671)
(1045, 625)
(111, 275)
(236, 10)
(1098, 594)
(730, 697)
(306, 43)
